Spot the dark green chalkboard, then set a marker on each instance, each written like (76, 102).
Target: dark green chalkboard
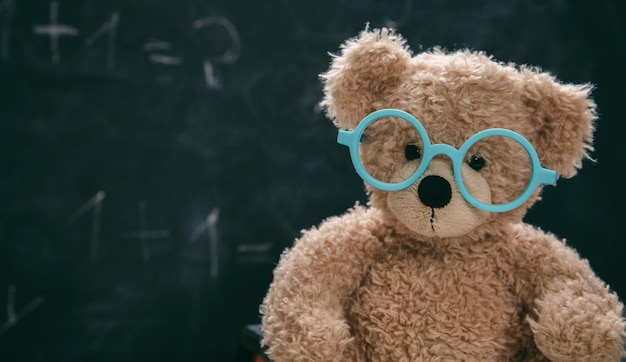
(157, 156)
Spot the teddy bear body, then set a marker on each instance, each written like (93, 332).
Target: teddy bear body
(446, 302)
(453, 302)
(421, 273)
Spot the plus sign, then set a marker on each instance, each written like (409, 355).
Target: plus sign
(54, 31)
(144, 234)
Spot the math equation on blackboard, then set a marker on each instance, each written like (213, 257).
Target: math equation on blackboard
(54, 35)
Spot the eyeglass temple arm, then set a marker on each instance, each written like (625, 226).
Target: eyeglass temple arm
(547, 176)
(345, 137)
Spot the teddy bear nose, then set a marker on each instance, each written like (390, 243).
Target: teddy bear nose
(434, 191)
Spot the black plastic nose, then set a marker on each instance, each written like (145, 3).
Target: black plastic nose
(434, 191)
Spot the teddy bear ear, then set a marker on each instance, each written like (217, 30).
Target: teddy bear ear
(563, 117)
(368, 67)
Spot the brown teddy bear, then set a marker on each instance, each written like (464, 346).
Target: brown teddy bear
(454, 147)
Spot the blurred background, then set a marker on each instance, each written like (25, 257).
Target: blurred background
(157, 156)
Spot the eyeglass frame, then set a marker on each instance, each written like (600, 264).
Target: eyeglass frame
(539, 174)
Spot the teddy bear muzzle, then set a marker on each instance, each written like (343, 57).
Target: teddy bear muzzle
(433, 206)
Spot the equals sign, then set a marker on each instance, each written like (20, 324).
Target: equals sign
(155, 47)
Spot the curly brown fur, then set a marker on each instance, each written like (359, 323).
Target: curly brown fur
(399, 280)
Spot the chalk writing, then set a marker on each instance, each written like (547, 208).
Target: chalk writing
(230, 55)
(255, 253)
(109, 27)
(144, 234)
(96, 203)
(210, 78)
(13, 317)
(108, 33)
(153, 45)
(55, 30)
(255, 248)
(6, 14)
(209, 225)
(165, 59)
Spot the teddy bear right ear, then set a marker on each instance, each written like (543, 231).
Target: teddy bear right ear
(562, 116)
(368, 67)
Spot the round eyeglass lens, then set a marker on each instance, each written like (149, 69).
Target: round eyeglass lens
(502, 161)
(391, 149)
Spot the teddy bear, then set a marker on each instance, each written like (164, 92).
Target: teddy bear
(453, 147)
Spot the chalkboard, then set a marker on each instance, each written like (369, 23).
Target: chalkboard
(157, 156)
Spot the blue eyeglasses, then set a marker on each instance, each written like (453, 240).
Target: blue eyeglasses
(421, 153)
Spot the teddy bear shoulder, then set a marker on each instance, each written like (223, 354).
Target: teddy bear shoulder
(340, 247)
(539, 256)
(358, 227)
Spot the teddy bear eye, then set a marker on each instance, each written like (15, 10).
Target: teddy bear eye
(412, 152)
(476, 162)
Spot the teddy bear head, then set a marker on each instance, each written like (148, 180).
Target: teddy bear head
(449, 141)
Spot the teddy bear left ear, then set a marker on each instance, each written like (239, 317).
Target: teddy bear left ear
(562, 117)
(368, 67)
